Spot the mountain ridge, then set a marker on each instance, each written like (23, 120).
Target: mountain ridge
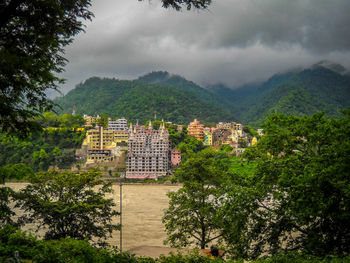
(300, 92)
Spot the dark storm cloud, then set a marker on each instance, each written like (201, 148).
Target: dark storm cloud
(235, 41)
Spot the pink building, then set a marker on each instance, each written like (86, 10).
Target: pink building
(175, 157)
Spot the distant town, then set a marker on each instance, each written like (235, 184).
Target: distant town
(145, 151)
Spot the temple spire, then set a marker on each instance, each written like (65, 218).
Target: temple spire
(130, 128)
(150, 125)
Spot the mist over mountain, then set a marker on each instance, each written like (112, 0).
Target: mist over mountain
(324, 86)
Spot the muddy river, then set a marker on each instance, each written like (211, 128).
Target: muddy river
(143, 207)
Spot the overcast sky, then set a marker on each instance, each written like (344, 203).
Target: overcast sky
(234, 42)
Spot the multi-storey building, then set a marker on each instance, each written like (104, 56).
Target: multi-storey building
(235, 127)
(121, 137)
(208, 137)
(118, 125)
(195, 129)
(120, 130)
(148, 152)
(100, 145)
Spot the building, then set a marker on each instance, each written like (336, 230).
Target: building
(148, 152)
(118, 125)
(100, 145)
(121, 137)
(208, 137)
(254, 141)
(175, 157)
(90, 119)
(195, 129)
(236, 127)
(221, 136)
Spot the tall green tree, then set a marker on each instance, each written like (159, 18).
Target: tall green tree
(69, 205)
(299, 196)
(191, 216)
(33, 34)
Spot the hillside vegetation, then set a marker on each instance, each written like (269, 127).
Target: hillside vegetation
(300, 92)
(138, 100)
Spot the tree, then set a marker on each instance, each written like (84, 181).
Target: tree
(189, 146)
(33, 34)
(191, 216)
(188, 3)
(16, 171)
(103, 121)
(6, 212)
(299, 196)
(69, 205)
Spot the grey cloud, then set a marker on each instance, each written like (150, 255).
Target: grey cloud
(235, 41)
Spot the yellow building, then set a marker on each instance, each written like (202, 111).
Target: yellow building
(100, 144)
(254, 141)
(91, 119)
(120, 136)
(195, 129)
(99, 139)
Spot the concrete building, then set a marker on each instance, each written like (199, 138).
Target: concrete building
(121, 137)
(208, 137)
(100, 145)
(118, 125)
(195, 129)
(148, 152)
(175, 157)
(236, 127)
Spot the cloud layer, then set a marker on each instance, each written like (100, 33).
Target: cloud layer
(234, 42)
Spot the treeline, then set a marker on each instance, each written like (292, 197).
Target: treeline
(40, 151)
(290, 192)
(55, 145)
(178, 102)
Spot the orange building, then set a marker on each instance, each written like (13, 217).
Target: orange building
(195, 129)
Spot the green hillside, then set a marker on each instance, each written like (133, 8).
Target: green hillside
(301, 92)
(179, 102)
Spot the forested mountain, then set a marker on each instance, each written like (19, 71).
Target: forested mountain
(302, 92)
(173, 98)
(322, 87)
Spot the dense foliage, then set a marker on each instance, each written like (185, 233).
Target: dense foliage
(298, 198)
(33, 34)
(298, 93)
(69, 250)
(137, 100)
(69, 205)
(6, 213)
(179, 100)
(290, 193)
(191, 216)
(40, 150)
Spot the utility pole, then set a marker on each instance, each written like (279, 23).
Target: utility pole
(121, 207)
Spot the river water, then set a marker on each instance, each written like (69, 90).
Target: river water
(143, 207)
